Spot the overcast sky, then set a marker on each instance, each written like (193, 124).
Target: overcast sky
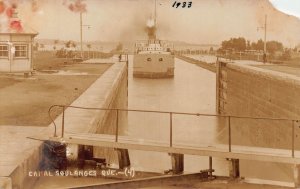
(207, 21)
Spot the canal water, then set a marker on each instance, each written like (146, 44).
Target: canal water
(193, 90)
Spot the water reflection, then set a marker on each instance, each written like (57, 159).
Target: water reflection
(191, 90)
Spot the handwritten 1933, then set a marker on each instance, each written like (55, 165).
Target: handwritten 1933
(182, 4)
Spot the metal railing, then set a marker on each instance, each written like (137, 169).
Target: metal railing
(143, 45)
(118, 110)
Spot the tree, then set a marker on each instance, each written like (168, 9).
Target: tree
(68, 44)
(273, 46)
(62, 53)
(73, 44)
(295, 49)
(286, 54)
(237, 44)
(226, 44)
(259, 45)
(240, 44)
(248, 46)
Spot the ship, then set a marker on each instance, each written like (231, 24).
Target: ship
(153, 58)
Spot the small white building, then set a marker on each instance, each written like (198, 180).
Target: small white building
(16, 51)
(16, 47)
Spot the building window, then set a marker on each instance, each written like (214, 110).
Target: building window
(21, 51)
(3, 51)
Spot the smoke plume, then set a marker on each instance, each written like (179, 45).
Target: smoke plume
(151, 28)
(78, 6)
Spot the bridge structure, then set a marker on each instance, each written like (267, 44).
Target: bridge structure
(232, 152)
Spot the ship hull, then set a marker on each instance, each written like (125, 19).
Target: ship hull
(153, 66)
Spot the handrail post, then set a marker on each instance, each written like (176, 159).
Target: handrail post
(63, 123)
(171, 130)
(229, 135)
(49, 114)
(117, 125)
(210, 167)
(293, 138)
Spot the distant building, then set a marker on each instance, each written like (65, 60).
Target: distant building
(16, 50)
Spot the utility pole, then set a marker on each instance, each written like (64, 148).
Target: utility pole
(81, 35)
(265, 41)
(155, 19)
(155, 14)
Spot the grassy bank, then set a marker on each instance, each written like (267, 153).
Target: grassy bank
(25, 101)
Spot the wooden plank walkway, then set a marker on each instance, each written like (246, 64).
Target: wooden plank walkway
(218, 150)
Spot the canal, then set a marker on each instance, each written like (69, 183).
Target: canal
(193, 89)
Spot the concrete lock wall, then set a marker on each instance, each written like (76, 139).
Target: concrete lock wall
(245, 90)
(108, 91)
(119, 99)
(210, 67)
(113, 95)
(108, 124)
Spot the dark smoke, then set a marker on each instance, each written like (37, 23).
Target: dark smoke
(151, 28)
(151, 32)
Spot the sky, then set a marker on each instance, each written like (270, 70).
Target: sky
(291, 7)
(206, 22)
